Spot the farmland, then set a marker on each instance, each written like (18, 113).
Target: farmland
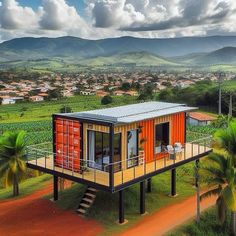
(30, 111)
(35, 118)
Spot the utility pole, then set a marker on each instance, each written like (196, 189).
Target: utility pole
(197, 190)
(220, 83)
(230, 104)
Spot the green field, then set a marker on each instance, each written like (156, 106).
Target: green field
(209, 226)
(35, 111)
(27, 186)
(35, 118)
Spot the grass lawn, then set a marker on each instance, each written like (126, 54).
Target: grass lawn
(208, 226)
(105, 207)
(27, 186)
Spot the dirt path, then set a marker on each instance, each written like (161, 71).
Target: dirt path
(32, 215)
(167, 218)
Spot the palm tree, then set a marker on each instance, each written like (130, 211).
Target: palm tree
(220, 175)
(225, 140)
(12, 158)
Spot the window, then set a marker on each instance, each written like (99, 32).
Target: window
(99, 149)
(161, 136)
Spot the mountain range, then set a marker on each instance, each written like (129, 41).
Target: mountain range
(189, 51)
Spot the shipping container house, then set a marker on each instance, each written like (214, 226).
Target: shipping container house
(113, 148)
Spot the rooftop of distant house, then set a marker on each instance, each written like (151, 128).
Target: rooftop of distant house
(201, 116)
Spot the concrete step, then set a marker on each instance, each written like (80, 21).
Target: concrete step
(92, 189)
(81, 211)
(88, 200)
(84, 205)
(90, 194)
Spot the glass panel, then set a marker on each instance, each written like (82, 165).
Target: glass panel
(105, 149)
(161, 137)
(98, 150)
(132, 147)
(91, 148)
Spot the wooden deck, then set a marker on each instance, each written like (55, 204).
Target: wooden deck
(123, 176)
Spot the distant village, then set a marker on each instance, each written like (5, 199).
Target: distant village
(44, 87)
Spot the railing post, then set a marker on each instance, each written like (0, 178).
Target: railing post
(185, 151)
(192, 150)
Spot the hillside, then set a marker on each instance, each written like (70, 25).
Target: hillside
(35, 48)
(133, 58)
(223, 56)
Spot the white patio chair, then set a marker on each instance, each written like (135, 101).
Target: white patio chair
(178, 147)
(170, 149)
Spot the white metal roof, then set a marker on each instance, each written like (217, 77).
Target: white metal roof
(132, 113)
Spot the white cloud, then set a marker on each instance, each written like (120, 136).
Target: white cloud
(58, 15)
(14, 16)
(112, 18)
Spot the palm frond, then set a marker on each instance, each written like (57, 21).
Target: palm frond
(209, 193)
(229, 196)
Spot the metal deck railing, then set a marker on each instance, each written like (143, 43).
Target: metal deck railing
(41, 155)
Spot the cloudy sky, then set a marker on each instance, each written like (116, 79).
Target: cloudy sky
(95, 19)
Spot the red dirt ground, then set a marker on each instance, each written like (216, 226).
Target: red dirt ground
(167, 218)
(32, 215)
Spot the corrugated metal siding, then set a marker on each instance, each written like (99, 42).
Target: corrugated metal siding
(178, 128)
(148, 134)
(67, 137)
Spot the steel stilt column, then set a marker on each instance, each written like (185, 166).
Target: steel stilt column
(142, 197)
(121, 207)
(55, 188)
(173, 182)
(149, 185)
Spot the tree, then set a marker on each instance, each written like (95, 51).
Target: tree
(147, 92)
(225, 140)
(125, 86)
(220, 176)
(65, 109)
(221, 121)
(55, 94)
(106, 100)
(12, 158)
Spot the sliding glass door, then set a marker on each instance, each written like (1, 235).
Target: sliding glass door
(161, 136)
(99, 149)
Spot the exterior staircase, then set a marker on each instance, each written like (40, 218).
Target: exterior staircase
(87, 200)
